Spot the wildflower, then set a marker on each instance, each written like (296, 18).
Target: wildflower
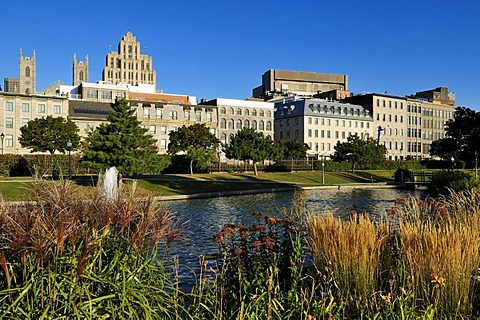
(240, 225)
(400, 201)
(438, 281)
(257, 244)
(228, 230)
(219, 237)
(257, 214)
(310, 317)
(386, 297)
(271, 220)
(269, 242)
(244, 233)
(238, 251)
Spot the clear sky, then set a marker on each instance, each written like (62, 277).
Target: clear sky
(220, 49)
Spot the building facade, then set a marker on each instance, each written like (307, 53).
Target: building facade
(128, 65)
(17, 109)
(234, 115)
(320, 123)
(277, 83)
(80, 71)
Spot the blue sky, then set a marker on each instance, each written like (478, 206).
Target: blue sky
(220, 49)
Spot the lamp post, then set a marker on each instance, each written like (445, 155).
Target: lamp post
(69, 146)
(453, 160)
(323, 169)
(2, 137)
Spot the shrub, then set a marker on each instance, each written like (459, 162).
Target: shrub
(443, 182)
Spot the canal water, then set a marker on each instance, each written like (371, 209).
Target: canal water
(206, 217)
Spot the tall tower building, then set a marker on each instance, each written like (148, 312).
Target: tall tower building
(28, 73)
(80, 70)
(129, 65)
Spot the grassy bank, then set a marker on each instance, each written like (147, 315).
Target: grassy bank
(13, 189)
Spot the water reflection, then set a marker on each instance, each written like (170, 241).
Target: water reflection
(208, 216)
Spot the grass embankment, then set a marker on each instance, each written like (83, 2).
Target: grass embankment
(15, 189)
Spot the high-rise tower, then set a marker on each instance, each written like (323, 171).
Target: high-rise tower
(129, 65)
(80, 70)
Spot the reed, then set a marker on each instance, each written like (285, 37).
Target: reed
(440, 250)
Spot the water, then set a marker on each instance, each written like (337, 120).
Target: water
(207, 217)
(110, 184)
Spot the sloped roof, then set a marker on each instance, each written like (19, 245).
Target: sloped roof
(88, 110)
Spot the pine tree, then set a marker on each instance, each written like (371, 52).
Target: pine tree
(123, 143)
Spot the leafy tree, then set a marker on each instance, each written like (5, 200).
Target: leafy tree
(461, 140)
(123, 143)
(196, 141)
(248, 144)
(49, 134)
(358, 151)
(293, 149)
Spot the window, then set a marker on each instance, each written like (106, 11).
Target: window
(163, 129)
(296, 121)
(8, 140)
(231, 124)
(106, 94)
(309, 133)
(224, 138)
(173, 115)
(41, 108)
(309, 120)
(247, 112)
(254, 124)
(187, 114)
(262, 113)
(153, 129)
(223, 123)
(210, 116)
(8, 122)
(146, 113)
(159, 113)
(198, 115)
(269, 126)
(239, 112)
(27, 71)
(239, 124)
(262, 125)
(232, 111)
(25, 121)
(296, 134)
(57, 109)
(8, 106)
(25, 107)
(163, 144)
(246, 124)
(92, 93)
(223, 111)
(254, 113)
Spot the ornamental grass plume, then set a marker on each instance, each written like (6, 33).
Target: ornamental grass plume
(440, 251)
(66, 256)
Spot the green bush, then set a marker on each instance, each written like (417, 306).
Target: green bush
(445, 181)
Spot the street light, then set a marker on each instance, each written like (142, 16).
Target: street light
(2, 137)
(69, 146)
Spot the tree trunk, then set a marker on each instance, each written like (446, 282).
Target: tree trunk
(353, 167)
(293, 163)
(255, 168)
(191, 167)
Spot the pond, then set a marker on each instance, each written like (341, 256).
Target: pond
(207, 217)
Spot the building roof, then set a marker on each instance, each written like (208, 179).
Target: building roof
(160, 97)
(88, 110)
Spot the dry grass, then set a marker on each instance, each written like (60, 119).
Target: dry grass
(349, 252)
(440, 247)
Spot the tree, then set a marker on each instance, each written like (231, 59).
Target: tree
(49, 134)
(294, 149)
(123, 143)
(461, 141)
(196, 142)
(248, 144)
(358, 151)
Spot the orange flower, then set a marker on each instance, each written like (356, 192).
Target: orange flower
(219, 237)
(438, 281)
(310, 317)
(270, 220)
(269, 242)
(386, 297)
(257, 244)
(257, 214)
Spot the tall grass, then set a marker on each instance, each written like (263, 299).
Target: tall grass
(348, 254)
(440, 249)
(65, 257)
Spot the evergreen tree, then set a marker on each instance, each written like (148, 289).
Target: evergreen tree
(123, 143)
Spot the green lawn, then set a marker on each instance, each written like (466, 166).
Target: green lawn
(13, 189)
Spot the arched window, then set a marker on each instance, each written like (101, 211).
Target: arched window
(269, 126)
(80, 76)
(239, 124)
(246, 124)
(254, 113)
(27, 71)
(231, 124)
(262, 125)
(223, 111)
(239, 112)
(247, 113)
(223, 139)
(262, 113)
(27, 91)
(223, 123)
(232, 111)
(269, 114)
(254, 124)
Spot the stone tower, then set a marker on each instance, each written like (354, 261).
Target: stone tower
(28, 74)
(80, 70)
(129, 65)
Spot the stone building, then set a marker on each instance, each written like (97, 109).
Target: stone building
(128, 65)
(80, 71)
(277, 83)
(234, 115)
(320, 123)
(17, 109)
